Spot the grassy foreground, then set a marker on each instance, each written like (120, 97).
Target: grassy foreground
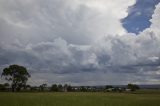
(79, 99)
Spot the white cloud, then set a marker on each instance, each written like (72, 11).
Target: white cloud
(155, 21)
(76, 21)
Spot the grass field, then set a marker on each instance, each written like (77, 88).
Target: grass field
(80, 99)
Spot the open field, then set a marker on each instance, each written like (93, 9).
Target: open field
(80, 99)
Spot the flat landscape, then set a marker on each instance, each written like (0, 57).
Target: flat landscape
(140, 98)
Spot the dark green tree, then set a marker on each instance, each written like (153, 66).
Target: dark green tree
(60, 88)
(69, 88)
(133, 87)
(18, 75)
(54, 87)
(108, 86)
(83, 89)
(42, 87)
(2, 87)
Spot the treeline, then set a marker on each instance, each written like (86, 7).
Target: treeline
(4, 87)
(68, 88)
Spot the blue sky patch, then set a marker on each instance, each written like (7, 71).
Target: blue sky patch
(139, 16)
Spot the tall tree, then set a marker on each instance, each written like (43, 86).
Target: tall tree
(18, 75)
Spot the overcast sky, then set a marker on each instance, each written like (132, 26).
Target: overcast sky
(82, 42)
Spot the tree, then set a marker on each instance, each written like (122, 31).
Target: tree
(83, 89)
(54, 87)
(60, 88)
(2, 87)
(18, 75)
(108, 86)
(69, 88)
(133, 87)
(42, 87)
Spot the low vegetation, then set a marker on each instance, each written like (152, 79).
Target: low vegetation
(80, 99)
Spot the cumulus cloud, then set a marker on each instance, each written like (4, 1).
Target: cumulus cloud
(76, 21)
(81, 42)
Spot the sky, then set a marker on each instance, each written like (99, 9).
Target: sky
(82, 42)
(139, 15)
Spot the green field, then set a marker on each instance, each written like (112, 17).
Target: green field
(80, 99)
